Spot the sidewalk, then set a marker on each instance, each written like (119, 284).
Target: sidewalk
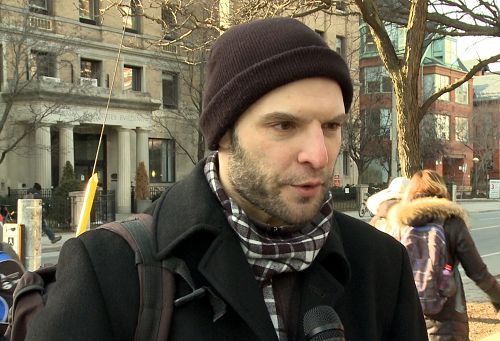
(470, 205)
(47, 245)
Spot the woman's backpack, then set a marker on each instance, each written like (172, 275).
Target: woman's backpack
(426, 246)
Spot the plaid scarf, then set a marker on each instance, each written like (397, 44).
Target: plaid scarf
(271, 253)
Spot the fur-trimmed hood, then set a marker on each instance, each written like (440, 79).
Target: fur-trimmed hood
(424, 210)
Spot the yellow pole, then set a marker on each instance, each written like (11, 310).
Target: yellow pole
(87, 204)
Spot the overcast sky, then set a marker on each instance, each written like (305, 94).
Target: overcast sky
(479, 47)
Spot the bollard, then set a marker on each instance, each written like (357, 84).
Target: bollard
(29, 214)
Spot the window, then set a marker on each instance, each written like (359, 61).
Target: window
(1, 67)
(39, 6)
(462, 93)
(132, 78)
(376, 80)
(377, 121)
(340, 6)
(131, 17)
(434, 82)
(340, 45)
(437, 49)
(367, 43)
(461, 129)
(169, 24)
(89, 10)
(170, 89)
(43, 64)
(442, 127)
(90, 72)
(346, 163)
(162, 160)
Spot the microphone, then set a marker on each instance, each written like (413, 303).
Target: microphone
(322, 323)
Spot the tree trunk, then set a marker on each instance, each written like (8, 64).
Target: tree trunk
(407, 120)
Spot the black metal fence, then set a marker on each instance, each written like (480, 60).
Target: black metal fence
(57, 210)
(344, 198)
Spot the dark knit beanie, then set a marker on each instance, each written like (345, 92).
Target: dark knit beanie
(251, 59)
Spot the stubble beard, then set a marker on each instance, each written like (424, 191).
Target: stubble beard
(262, 189)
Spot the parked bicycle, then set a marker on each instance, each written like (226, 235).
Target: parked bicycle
(363, 208)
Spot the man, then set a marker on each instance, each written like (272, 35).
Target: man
(253, 222)
(36, 191)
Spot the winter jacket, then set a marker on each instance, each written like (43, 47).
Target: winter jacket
(362, 273)
(452, 322)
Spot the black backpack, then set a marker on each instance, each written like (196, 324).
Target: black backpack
(156, 281)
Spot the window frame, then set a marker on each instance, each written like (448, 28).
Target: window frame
(433, 82)
(35, 8)
(132, 21)
(341, 40)
(93, 12)
(175, 91)
(379, 78)
(462, 93)
(169, 150)
(442, 132)
(51, 68)
(136, 81)
(461, 122)
(95, 69)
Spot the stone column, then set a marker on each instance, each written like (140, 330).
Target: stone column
(43, 164)
(66, 147)
(142, 136)
(123, 185)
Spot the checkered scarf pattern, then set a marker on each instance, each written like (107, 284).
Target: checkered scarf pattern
(269, 253)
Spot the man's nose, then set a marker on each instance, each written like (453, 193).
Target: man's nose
(313, 149)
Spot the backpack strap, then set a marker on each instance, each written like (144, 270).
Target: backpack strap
(156, 283)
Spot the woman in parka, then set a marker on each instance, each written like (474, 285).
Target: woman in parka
(424, 201)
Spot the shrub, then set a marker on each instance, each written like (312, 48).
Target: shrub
(141, 182)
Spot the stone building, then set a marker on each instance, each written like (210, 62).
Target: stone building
(57, 67)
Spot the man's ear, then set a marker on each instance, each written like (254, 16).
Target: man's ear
(225, 141)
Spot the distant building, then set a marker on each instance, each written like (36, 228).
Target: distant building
(446, 146)
(487, 127)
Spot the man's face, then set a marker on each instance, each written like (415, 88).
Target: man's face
(278, 161)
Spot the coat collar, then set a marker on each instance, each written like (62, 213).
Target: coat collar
(189, 211)
(421, 211)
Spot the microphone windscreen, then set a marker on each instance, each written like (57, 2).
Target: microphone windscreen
(322, 323)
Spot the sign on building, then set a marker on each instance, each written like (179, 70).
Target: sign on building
(494, 189)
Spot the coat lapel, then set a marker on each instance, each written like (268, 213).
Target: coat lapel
(227, 270)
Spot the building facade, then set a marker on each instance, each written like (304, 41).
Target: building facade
(486, 125)
(69, 73)
(61, 63)
(446, 145)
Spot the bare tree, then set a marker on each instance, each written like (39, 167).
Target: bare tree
(366, 136)
(422, 19)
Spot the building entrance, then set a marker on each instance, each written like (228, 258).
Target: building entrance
(85, 149)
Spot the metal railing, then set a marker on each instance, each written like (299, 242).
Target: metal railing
(57, 210)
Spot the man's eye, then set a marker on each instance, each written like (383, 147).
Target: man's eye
(331, 126)
(284, 125)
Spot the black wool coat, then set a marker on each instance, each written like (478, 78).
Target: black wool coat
(362, 273)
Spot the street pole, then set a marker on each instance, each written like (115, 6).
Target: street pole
(464, 170)
(475, 160)
(394, 138)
